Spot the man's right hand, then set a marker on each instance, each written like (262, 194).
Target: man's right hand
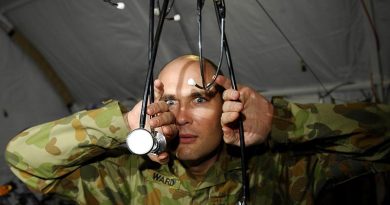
(163, 120)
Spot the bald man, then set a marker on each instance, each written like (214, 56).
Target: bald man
(294, 151)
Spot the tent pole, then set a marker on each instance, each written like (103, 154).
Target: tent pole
(44, 66)
(375, 53)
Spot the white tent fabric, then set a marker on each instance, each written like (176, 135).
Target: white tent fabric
(101, 52)
(26, 97)
(97, 50)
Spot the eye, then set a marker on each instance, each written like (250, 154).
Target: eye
(170, 102)
(200, 100)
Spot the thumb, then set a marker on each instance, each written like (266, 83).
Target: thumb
(228, 136)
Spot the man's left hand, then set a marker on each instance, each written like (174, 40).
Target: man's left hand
(255, 111)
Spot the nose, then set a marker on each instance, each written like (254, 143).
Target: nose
(183, 115)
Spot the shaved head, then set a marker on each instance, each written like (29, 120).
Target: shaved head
(182, 63)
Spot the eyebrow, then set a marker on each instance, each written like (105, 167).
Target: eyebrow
(194, 94)
(203, 93)
(168, 97)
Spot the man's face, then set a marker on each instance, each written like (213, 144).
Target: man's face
(198, 112)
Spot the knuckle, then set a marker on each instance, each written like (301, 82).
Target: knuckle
(228, 139)
(170, 117)
(225, 95)
(166, 130)
(225, 106)
(162, 106)
(156, 122)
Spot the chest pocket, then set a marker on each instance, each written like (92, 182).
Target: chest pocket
(226, 193)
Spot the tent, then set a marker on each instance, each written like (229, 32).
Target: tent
(58, 57)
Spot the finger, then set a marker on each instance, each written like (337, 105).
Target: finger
(164, 156)
(232, 106)
(158, 89)
(157, 107)
(230, 94)
(153, 157)
(223, 81)
(161, 158)
(165, 118)
(228, 136)
(169, 131)
(229, 117)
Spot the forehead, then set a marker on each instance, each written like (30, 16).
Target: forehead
(175, 76)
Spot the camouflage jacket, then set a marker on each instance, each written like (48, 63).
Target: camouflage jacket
(310, 147)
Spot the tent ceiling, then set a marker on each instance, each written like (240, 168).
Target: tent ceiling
(101, 52)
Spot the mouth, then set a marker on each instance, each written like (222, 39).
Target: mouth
(187, 138)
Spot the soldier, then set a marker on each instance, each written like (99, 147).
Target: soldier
(294, 150)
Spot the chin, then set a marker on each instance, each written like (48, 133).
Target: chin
(193, 157)
(186, 154)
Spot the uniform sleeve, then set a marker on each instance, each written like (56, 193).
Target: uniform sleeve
(41, 155)
(361, 130)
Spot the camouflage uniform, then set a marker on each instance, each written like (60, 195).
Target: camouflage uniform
(310, 147)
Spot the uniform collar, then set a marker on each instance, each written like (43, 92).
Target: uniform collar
(227, 166)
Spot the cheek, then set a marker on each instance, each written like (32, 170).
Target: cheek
(208, 118)
(206, 113)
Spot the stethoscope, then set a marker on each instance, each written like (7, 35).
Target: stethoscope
(142, 141)
(220, 11)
